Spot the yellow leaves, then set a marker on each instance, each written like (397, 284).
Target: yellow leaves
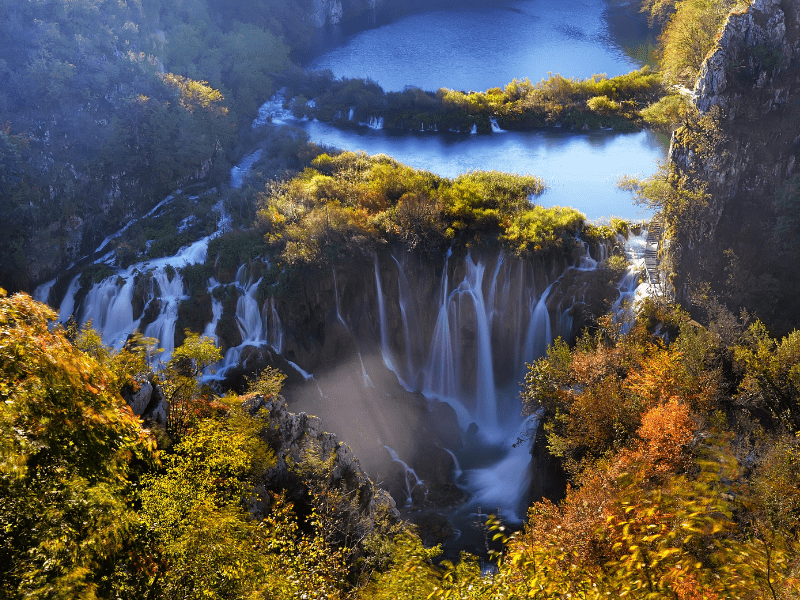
(195, 94)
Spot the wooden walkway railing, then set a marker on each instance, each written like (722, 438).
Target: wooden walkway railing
(654, 232)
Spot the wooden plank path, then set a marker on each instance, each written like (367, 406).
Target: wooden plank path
(654, 232)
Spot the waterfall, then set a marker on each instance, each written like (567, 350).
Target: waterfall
(216, 313)
(466, 329)
(630, 291)
(240, 171)
(248, 315)
(42, 292)
(487, 398)
(364, 375)
(68, 304)
(495, 126)
(456, 468)
(503, 485)
(539, 333)
(411, 331)
(108, 306)
(386, 352)
(442, 372)
(410, 477)
(275, 329)
(336, 295)
(163, 328)
(586, 262)
(305, 374)
(272, 111)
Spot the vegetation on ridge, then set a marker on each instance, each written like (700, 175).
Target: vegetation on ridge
(349, 199)
(590, 103)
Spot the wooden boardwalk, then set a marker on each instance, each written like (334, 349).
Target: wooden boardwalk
(654, 232)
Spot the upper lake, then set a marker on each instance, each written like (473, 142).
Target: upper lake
(477, 48)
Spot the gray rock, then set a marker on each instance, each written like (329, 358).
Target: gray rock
(294, 437)
(139, 400)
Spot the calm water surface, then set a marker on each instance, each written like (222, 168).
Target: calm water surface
(580, 169)
(478, 48)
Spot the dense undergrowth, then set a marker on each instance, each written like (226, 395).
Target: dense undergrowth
(680, 448)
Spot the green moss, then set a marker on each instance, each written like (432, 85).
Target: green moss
(193, 314)
(195, 278)
(95, 274)
(230, 250)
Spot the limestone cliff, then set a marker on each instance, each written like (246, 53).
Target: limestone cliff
(742, 148)
(333, 12)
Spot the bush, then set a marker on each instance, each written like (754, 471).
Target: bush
(351, 200)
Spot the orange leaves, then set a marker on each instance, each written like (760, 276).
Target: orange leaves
(667, 428)
(656, 382)
(665, 436)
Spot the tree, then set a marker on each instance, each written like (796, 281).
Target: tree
(689, 35)
(196, 511)
(68, 444)
(200, 514)
(179, 380)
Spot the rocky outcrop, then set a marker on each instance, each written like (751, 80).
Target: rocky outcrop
(742, 76)
(300, 439)
(744, 145)
(147, 400)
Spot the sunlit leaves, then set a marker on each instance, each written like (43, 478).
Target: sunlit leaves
(353, 199)
(690, 34)
(67, 441)
(179, 380)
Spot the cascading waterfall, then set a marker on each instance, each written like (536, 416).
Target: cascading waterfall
(336, 296)
(504, 484)
(216, 313)
(539, 334)
(68, 305)
(629, 289)
(411, 330)
(163, 328)
(488, 314)
(386, 353)
(108, 306)
(274, 329)
(440, 374)
(486, 392)
(248, 315)
(240, 171)
(497, 300)
(410, 477)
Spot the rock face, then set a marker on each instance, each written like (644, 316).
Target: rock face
(750, 83)
(333, 12)
(147, 400)
(294, 437)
